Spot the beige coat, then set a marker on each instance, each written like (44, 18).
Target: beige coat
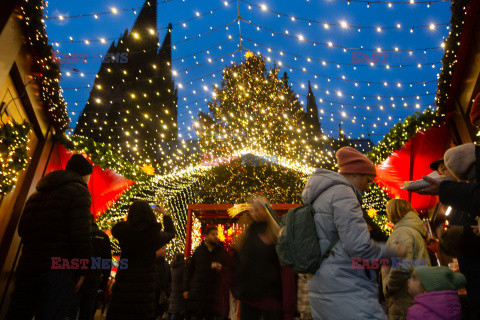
(411, 233)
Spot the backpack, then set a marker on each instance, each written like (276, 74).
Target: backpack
(298, 246)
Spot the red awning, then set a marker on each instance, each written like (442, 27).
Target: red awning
(105, 186)
(412, 162)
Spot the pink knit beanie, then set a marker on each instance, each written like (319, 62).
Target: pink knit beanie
(351, 160)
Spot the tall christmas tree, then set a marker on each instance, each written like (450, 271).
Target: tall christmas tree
(254, 110)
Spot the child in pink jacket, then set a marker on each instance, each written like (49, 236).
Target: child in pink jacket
(434, 290)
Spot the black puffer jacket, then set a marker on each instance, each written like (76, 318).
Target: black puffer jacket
(202, 281)
(176, 301)
(133, 294)
(55, 222)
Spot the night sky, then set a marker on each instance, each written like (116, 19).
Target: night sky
(334, 57)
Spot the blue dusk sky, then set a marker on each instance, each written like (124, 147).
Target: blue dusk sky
(331, 43)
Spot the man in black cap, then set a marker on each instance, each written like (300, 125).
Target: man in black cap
(56, 239)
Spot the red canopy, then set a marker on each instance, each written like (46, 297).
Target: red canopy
(412, 162)
(105, 186)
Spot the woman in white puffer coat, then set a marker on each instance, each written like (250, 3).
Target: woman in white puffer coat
(338, 290)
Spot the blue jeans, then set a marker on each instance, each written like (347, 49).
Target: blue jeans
(45, 295)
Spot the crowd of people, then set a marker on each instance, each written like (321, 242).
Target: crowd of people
(66, 260)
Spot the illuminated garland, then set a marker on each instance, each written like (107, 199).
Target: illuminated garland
(13, 153)
(449, 59)
(235, 183)
(102, 156)
(402, 132)
(46, 71)
(175, 203)
(393, 141)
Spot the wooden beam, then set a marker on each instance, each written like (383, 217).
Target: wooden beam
(7, 9)
(27, 105)
(188, 235)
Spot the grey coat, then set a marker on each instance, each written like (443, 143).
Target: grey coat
(411, 233)
(338, 291)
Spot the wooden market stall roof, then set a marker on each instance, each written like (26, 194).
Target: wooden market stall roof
(219, 212)
(464, 83)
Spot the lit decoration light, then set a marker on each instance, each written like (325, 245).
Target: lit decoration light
(372, 212)
(46, 71)
(14, 140)
(187, 178)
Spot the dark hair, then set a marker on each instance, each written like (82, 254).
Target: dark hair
(452, 241)
(179, 258)
(209, 229)
(140, 213)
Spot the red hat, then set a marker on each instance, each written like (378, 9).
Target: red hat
(351, 160)
(475, 111)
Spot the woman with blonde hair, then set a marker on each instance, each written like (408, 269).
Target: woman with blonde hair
(410, 232)
(260, 282)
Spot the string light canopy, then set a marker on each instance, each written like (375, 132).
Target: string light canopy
(342, 24)
(189, 106)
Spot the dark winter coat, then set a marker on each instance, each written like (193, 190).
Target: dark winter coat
(202, 281)
(133, 294)
(176, 300)
(462, 195)
(163, 282)
(468, 258)
(258, 273)
(55, 222)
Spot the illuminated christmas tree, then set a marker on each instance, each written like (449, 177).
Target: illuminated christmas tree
(253, 110)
